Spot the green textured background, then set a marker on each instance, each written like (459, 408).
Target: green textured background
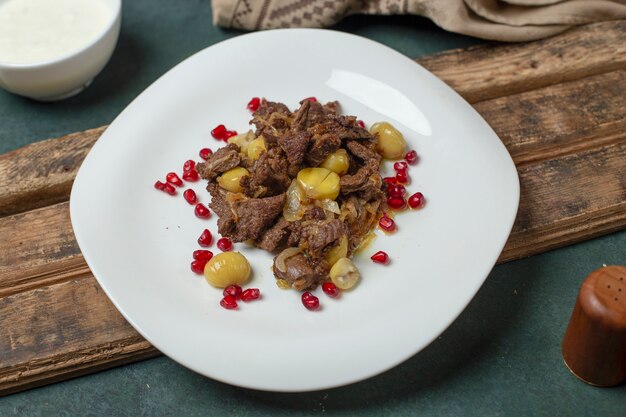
(500, 358)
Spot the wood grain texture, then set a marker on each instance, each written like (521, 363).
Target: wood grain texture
(558, 105)
(486, 72)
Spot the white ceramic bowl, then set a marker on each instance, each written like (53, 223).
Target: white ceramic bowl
(67, 74)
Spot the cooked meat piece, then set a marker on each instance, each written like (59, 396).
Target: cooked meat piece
(276, 236)
(301, 273)
(362, 152)
(268, 175)
(296, 233)
(314, 213)
(318, 235)
(322, 147)
(359, 180)
(311, 113)
(254, 216)
(221, 161)
(226, 216)
(359, 220)
(270, 120)
(295, 145)
(332, 107)
(372, 189)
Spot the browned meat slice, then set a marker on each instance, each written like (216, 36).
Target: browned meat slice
(268, 175)
(255, 215)
(221, 161)
(314, 213)
(270, 120)
(362, 152)
(318, 235)
(311, 113)
(226, 216)
(332, 107)
(300, 272)
(361, 179)
(322, 146)
(295, 146)
(360, 221)
(276, 236)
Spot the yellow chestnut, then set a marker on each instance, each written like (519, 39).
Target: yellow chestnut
(227, 268)
(256, 148)
(231, 178)
(319, 183)
(337, 252)
(391, 143)
(344, 274)
(337, 162)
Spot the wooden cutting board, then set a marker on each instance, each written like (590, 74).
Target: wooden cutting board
(558, 105)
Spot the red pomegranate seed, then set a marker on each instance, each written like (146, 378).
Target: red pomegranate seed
(380, 257)
(313, 99)
(310, 301)
(191, 176)
(174, 179)
(250, 294)
(169, 188)
(360, 123)
(417, 200)
(205, 239)
(197, 266)
(224, 244)
(402, 177)
(202, 212)
(411, 157)
(202, 255)
(396, 202)
(253, 105)
(205, 153)
(391, 180)
(229, 134)
(218, 132)
(387, 224)
(190, 196)
(189, 165)
(396, 190)
(159, 185)
(330, 289)
(400, 166)
(229, 302)
(233, 290)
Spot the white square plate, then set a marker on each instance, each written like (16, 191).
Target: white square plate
(138, 241)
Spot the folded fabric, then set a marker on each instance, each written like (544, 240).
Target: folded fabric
(503, 20)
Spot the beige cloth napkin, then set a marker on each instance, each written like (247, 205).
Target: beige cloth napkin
(503, 20)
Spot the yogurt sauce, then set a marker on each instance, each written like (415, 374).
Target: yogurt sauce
(33, 31)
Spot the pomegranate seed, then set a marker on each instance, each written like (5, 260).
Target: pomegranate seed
(402, 177)
(229, 302)
(411, 157)
(202, 212)
(250, 294)
(191, 175)
(391, 180)
(360, 123)
(254, 104)
(417, 200)
(190, 196)
(380, 257)
(229, 134)
(205, 239)
(330, 289)
(400, 166)
(169, 188)
(310, 301)
(387, 224)
(396, 190)
(197, 266)
(224, 244)
(174, 179)
(396, 202)
(205, 153)
(218, 132)
(233, 290)
(189, 165)
(159, 185)
(202, 255)
(313, 99)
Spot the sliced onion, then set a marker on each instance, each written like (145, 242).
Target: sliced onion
(283, 256)
(330, 205)
(293, 209)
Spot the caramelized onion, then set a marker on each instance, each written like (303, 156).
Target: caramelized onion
(283, 256)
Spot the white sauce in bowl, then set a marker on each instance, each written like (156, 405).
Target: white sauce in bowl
(34, 31)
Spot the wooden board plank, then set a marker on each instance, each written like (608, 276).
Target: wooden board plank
(486, 72)
(562, 118)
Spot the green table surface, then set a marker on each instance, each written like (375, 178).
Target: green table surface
(501, 357)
